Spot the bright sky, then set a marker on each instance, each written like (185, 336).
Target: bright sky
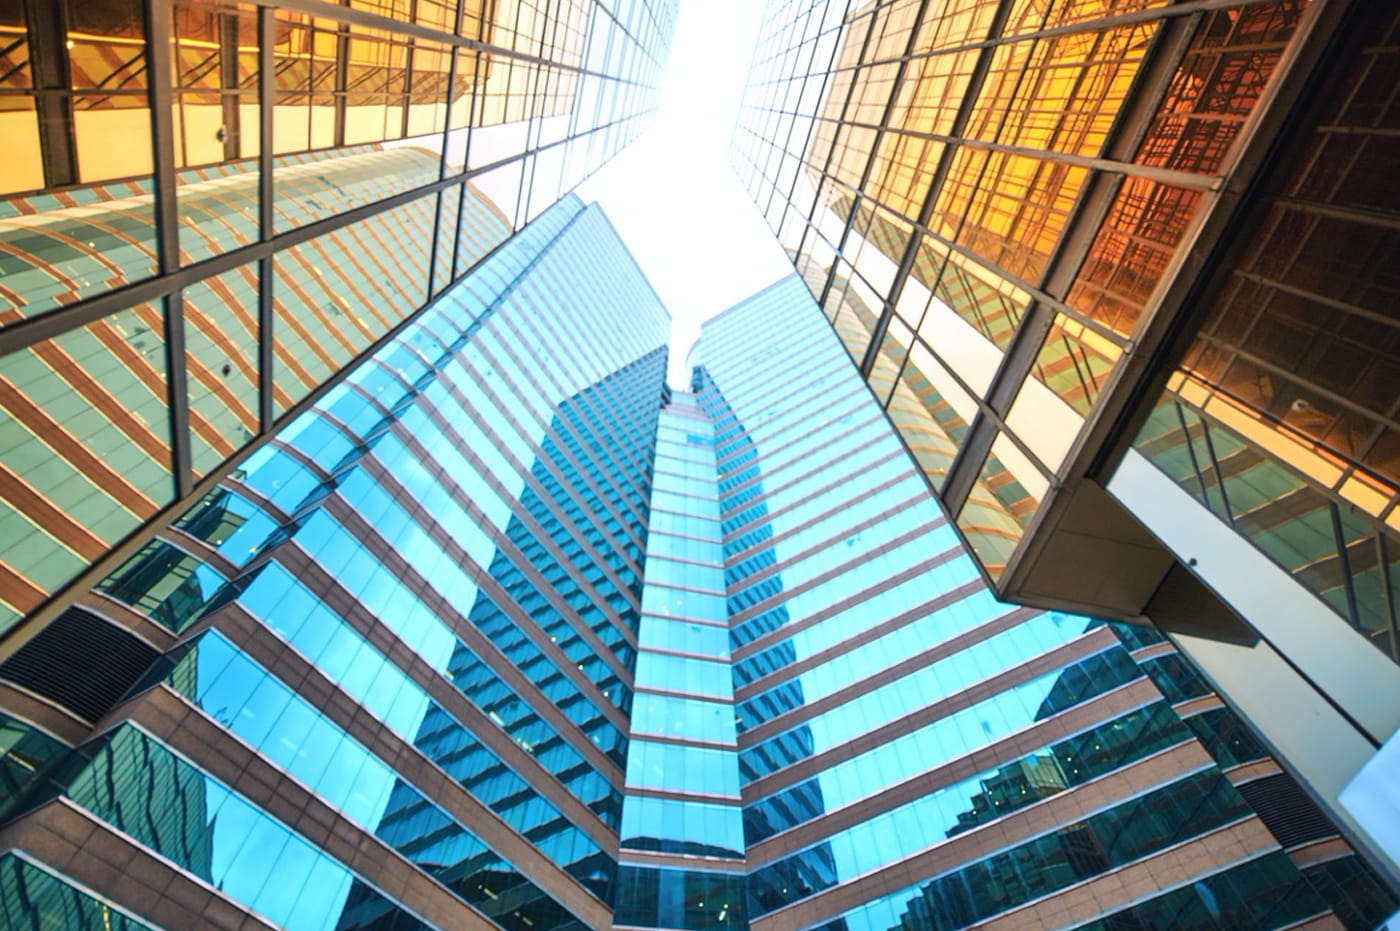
(672, 195)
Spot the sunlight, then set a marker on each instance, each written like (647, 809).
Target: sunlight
(674, 199)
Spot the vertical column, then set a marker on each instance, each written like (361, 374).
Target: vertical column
(682, 827)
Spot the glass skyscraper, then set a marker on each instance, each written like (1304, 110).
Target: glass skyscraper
(380, 676)
(208, 209)
(1120, 274)
(360, 570)
(503, 632)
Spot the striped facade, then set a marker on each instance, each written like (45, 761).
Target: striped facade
(502, 633)
(185, 264)
(914, 753)
(380, 676)
(1118, 273)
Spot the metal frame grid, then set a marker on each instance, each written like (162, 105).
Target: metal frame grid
(291, 254)
(1056, 176)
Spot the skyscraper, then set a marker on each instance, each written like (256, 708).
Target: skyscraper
(211, 208)
(503, 632)
(456, 616)
(1118, 273)
(381, 673)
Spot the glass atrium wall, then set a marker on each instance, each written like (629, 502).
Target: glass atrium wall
(210, 208)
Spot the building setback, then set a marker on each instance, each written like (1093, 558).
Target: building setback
(913, 752)
(359, 570)
(1118, 273)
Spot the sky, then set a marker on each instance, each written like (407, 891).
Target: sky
(672, 195)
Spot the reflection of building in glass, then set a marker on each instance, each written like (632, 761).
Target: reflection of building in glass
(503, 633)
(400, 637)
(1066, 243)
(185, 262)
(904, 738)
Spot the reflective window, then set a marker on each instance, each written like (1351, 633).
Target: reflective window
(169, 585)
(690, 900)
(688, 827)
(288, 731)
(229, 523)
(680, 768)
(32, 896)
(672, 716)
(932, 745)
(966, 804)
(142, 789)
(1070, 854)
(26, 753)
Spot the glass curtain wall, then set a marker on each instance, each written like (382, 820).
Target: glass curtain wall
(914, 753)
(1007, 190)
(682, 765)
(398, 640)
(210, 208)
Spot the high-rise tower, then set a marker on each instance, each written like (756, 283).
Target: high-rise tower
(1119, 274)
(209, 209)
(501, 632)
(379, 677)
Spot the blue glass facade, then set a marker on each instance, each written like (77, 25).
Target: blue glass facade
(418, 608)
(911, 753)
(504, 633)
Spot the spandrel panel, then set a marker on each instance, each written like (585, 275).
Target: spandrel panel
(221, 358)
(53, 253)
(999, 507)
(90, 436)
